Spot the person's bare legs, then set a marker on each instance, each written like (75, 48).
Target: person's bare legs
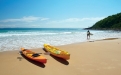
(88, 37)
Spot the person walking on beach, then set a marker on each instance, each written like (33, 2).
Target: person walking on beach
(88, 34)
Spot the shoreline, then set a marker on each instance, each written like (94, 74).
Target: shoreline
(36, 38)
(68, 44)
(87, 58)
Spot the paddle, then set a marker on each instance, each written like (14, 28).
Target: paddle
(46, 53)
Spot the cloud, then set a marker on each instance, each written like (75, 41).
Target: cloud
(42, 19)
(25, 19)
(92, 19)
(32, 21)
(82, 19)
(70, 20)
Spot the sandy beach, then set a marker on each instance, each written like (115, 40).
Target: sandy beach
(89, 58)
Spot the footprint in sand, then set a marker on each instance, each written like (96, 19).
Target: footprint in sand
(20, 58)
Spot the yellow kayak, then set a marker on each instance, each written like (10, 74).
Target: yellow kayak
(57, 52)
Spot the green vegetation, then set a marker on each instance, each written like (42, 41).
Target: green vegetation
(112, 22)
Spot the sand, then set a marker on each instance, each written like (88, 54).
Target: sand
(88, 58)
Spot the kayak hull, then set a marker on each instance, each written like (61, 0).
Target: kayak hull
(57, 52)
(33, 56)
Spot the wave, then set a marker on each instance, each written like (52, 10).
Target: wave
(14, 40)
(11, 33)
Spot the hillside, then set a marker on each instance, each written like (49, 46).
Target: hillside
(112, 22)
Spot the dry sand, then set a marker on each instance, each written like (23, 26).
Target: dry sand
(88, 58)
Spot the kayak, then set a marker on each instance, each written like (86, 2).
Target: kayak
(57, 52)
(33, 56)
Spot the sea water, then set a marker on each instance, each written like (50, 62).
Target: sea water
(15, 38)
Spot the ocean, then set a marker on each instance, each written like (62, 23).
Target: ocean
(29, 38)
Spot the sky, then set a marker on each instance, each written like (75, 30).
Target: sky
(55, 13)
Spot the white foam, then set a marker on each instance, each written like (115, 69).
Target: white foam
(16, 40)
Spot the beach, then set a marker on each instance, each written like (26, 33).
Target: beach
(101, 57)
